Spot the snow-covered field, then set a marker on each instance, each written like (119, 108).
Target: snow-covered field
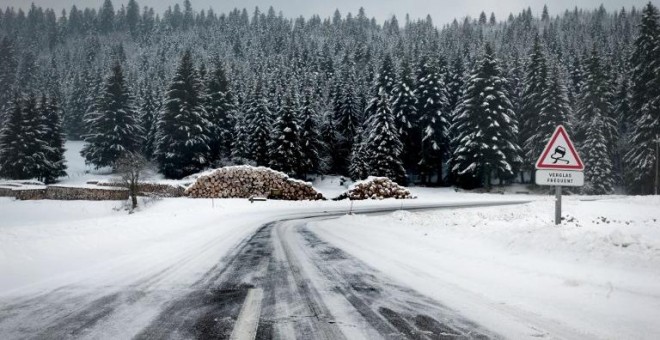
(41, 240)
(510, 269)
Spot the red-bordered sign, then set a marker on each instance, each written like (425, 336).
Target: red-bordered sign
(559, 153)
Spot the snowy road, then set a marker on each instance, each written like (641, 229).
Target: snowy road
(279, 280)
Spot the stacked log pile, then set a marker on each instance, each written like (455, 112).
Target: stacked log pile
(376, 188)
(247, 181)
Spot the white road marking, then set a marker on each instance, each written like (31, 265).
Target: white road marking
(248, 318)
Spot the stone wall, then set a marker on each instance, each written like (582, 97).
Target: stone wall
(151, 189)
(54, 192)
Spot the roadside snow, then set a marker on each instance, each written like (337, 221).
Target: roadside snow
(510, 269)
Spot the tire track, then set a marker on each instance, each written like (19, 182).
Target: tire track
(396, 312)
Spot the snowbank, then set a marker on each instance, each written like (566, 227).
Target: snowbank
(512, 270)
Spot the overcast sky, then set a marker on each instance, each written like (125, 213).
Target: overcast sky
(442, 11)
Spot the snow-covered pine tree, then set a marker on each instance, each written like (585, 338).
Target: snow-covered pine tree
(182, 146)
(381, 142)
(220, 108)
(622, 106)
(259, 127)
(385, 82)
(622, 112)
(286, 154)
(22, 147)
(598, 165)
(241, 152)
(54, 137)
(554, 110)
(310, 138)
(76, 108)
(8, 65)
(358, 167)
(93, 86)
(576, 80)
(645, 61)
(386, 77)
(455, 79)
(485, 128)
(106, 17)
(642, 158)
(10, 140)
(536, 79)
(405, 115)
(113, 127)
(433, 121)
(149, 111)
(347, 122)
(596, 128)
(28, 70)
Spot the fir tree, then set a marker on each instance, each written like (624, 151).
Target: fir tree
(106, 18)
(622, 112)
(259, 128)
(148, 120)
(286, 154)
(23, 149)
(113, 126)
(76, 108)
(622, 106)
(598, 166)
(642, 158)
(358, 167)
(385, 81)
(10, 142)
(54, 137)
(485, 128)
(8, 65)
(133, 17)
(455, 79)
(381, 142)
(645, 61)
(220, 108)
(310, 139)
(433, 122)
(536, 78)
(554, 110)
(405, 115)
(576, 81)
(347, 122)
(182, 146)
(596, 128)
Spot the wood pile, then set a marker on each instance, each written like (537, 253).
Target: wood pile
(376, 188)
(247, 181)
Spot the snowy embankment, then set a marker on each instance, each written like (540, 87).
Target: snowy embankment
(510, 269)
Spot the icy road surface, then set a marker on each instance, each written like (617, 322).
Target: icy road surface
(266, 277)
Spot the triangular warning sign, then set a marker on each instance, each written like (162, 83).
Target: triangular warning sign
(559, 153)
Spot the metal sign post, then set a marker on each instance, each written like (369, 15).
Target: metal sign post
(558, 205)
(559, 165)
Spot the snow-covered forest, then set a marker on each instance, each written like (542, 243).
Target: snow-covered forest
(470, 103)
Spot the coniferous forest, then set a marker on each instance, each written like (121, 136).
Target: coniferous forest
(470, 103)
